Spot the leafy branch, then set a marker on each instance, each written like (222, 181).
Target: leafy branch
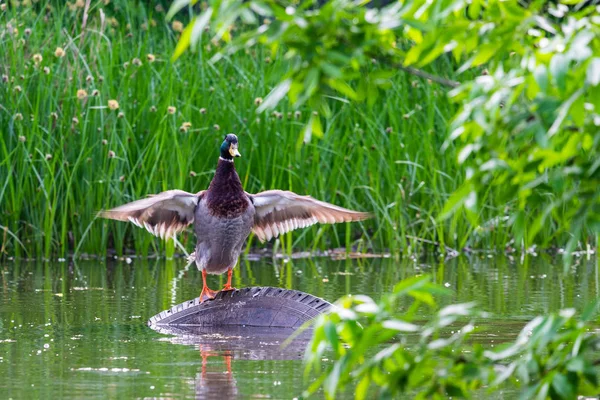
(389, 353)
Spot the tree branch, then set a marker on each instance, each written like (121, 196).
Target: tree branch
(427, 75)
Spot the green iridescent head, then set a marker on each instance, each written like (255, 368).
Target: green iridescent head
(229, 147)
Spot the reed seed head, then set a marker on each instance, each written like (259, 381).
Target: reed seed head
(177, 26)
(150, 58)
(137, 62)
(203, 111)
(18, 117)
(22, 139)
(59, 52)
(46, 70)
(81, 94)
(37, 58)
(113, 104)
(111, 154)
(171, 110)
(185, 127)
(258, 101)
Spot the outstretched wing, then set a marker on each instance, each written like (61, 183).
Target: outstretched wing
(278, 212)
(163, 215)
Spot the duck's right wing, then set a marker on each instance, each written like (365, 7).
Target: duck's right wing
(163, 215)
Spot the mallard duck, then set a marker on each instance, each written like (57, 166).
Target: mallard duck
(224, 215)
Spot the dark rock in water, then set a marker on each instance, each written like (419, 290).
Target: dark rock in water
(264, 307)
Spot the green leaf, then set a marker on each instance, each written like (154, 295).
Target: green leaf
(362, 388)
(563, 111)
(275, 96)
(484, 54)
(541, 77)
(400, 326)
(331, 70)
(474, 9)
(559, 67)
(261, 8)
(593, 72)
(342, 87)
(563, 387)
(199, 24)
(175, 7)
(332, 336)
(317, 129)
(413, 55)
(456, 200)
(577, 364)
(333, 378)
(184, 41)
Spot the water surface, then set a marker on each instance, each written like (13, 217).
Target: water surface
(78, 330)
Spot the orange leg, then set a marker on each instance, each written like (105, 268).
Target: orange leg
(228, 364)
(228, 284)
(206, 293)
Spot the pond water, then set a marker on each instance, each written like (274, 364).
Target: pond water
(78, 330)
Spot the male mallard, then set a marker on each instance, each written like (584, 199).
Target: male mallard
(224, 215)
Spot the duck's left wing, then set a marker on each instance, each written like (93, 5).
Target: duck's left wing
(278, 212)
(163, 215)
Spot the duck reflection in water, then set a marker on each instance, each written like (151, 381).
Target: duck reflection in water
(220, 346)
(212, 382)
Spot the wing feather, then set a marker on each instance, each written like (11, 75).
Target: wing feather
(278, 212)
(163, 215)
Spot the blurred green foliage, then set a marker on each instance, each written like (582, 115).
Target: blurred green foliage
(389, 351)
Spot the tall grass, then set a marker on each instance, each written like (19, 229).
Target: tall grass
(65, 157)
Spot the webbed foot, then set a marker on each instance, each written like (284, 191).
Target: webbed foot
(207, 294)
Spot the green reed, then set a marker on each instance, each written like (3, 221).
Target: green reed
(65, 154)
